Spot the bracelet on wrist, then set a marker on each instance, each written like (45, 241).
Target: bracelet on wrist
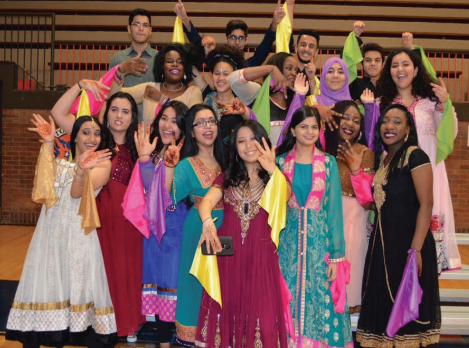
(79, 166)
(169, 166)
(417, 251)
(206, 219)
(145, 154)
(48, 141)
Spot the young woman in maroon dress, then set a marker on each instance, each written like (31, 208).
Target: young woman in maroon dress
(252, 312)
(121, 242)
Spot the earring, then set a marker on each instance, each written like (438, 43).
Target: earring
(184, 77)
(107, 124)
(360, 136)
(406, 137)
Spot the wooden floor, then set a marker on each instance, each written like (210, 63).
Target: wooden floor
(14, 242)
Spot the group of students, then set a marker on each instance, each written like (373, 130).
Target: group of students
(322, 199)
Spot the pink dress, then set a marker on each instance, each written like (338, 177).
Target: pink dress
(427, 116)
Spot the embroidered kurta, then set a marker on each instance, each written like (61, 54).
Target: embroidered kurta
(191, 178)
(314, 229)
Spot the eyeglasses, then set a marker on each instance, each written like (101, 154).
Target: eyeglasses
(235, 38)
(203, 122)
(139, 25)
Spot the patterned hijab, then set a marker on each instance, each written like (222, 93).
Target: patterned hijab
(327, 96)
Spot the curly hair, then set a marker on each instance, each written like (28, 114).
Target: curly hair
(386, 88)
(227, 54)
(412, 139)
(190, 55)
(237, 174)
(333, 137)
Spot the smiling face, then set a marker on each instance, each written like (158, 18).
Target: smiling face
(306, 132)
(403, 71)
(220, 75)
(119, 116)
(140, 29)
(394, 128)
(246, 145)
(307, 49)
(173, 67)
(372, 63)
(167, 126)
(88, 137)
(350, 124)
(290, 67)
(205, 135)
(335, 77)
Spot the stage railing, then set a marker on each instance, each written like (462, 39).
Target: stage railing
(28, 40)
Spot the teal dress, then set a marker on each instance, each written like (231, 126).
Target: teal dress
(191, 178)
(314, 228)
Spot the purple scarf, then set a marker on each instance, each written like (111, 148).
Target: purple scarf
(328, 97)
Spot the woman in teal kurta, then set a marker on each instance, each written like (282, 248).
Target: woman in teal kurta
(193, 177)
(314, 229)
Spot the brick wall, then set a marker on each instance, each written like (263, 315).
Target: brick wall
(19, 155)
(457, 167)
(20, 150)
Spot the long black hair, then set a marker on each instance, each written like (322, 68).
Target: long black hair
(333, 137)
(181, 111)
(299, 116)
(129, 134)
(103, 144)
(412, 139)
(236, 174)
(191, 148)
(386, 88)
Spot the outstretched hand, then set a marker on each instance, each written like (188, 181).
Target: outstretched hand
(266, 156)
(97, 88)
(135, 66)
(301, 84)
(44, 129)
(90, 159)
(352, 159)
(367, 96)
(209, 44)
(327, 115)
(142, 140)
(172, 153)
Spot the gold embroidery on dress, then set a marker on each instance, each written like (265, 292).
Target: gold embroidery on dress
(406, 341)
(244, 200)
(379, 181)
(234, 331)
(205, 174)
(217, 333)
(407, 155)
(205, 328)
(257, 335)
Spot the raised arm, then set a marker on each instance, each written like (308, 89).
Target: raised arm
(61, 110)
(189, 28)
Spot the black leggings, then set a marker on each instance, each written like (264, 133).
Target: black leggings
(165, 330)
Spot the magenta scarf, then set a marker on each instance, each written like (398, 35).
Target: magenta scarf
(328, 97)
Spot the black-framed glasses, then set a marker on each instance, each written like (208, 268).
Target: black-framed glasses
(202, 122)
(140, 25)
(235, 38)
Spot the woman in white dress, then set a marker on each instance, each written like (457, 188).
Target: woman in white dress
(63, 295)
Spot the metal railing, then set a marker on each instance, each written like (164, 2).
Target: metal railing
(28, 40)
